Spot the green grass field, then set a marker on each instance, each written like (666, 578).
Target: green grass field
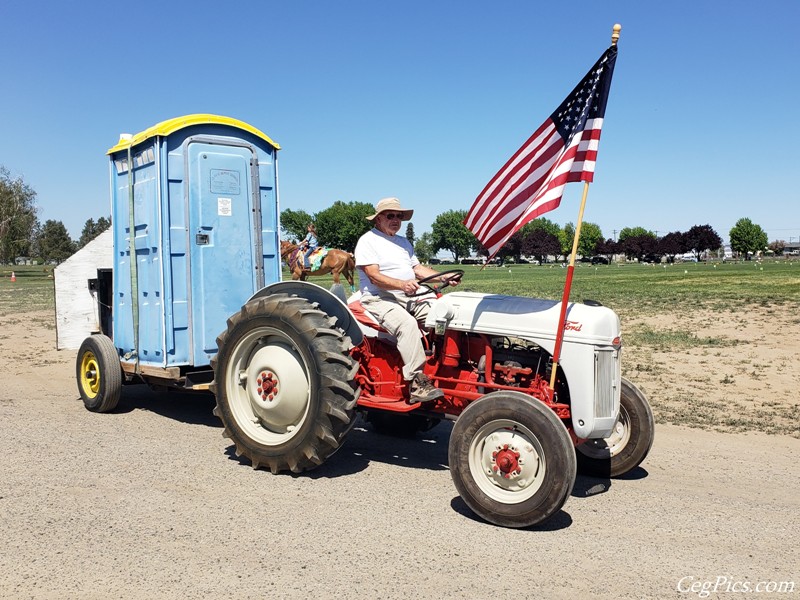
(32, 291)
(637, 287)
(623, 287)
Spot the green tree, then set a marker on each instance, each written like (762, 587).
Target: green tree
(591, 236)
(54, 242)
(91, 230)
(340, 225)
(450, 233)
(294, 223)
(18, 217)
(747, 237)
(423, 248)
(628, 232)
(410, 233)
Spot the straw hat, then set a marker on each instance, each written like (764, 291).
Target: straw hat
(394, 205)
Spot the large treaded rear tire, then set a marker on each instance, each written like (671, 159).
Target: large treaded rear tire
(285, 383)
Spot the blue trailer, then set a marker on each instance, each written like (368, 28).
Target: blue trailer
(195, 234)
(194, 299)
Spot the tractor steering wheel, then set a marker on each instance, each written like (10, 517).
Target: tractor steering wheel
(426, 289)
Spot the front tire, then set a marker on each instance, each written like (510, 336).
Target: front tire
(511, 459)
(285, 384)
(99, 374)
(629, 442)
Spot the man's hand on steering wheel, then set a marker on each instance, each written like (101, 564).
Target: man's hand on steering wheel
(424, 288)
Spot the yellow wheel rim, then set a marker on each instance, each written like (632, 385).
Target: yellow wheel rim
(90, 374)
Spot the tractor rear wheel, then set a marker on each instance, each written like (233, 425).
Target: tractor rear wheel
(285, 383)
(511, 459)
(629, 442)
(99, 374)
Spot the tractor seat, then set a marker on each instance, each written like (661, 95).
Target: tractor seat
(368, 323)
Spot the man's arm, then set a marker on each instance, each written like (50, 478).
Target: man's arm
(373, 272)
(421, 271)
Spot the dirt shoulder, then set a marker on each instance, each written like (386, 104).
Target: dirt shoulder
(720, 370)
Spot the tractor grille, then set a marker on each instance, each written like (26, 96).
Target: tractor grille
(606, 362)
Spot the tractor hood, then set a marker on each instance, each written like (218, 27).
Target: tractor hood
(529, 318)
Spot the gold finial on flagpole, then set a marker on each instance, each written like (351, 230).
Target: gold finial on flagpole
(615, 36)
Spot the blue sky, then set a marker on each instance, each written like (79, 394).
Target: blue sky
(423, 100)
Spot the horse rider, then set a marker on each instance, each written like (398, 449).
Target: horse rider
(309, 244)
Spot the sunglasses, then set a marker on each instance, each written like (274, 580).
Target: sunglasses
(392, 216)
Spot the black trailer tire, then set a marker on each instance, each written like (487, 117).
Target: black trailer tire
(285, 384)
(99, 374)
(512, 459)
(628, 444)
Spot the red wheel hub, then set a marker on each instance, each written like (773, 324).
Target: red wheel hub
(506, 461)
(267, 385)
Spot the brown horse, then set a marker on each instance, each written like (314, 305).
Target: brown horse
(337, 262)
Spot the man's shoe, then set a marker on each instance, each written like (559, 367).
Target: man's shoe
(422, 390)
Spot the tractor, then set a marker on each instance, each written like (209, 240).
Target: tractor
(292, 365)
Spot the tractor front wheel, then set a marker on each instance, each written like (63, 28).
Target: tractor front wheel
(99, 374)
(629, 442)
(285, 384)
(511, 459)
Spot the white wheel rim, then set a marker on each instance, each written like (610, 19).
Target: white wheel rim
(267, 386)
(613, 444)
(507, 461)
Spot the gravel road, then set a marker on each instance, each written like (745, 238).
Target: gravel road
(151, 502)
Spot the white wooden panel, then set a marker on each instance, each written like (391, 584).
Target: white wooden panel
(77, 314)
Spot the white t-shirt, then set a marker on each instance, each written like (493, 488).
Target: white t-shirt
(393, 254)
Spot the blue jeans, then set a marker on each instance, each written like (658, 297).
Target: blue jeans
(308, 252)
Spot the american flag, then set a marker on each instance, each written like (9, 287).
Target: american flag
(562, 150)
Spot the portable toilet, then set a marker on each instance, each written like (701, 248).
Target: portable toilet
(195, 225)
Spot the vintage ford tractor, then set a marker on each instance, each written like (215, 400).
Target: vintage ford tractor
(195, 230)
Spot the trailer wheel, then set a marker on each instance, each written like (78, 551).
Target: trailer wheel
(629, 442)
(285, 384)
(511, 459)
(98, 373)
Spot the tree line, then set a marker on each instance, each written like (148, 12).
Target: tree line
(340, 226)
(23, 235)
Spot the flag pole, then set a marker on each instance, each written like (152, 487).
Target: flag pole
(571, 269)
(567, 285)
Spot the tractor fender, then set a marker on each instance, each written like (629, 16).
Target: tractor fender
(328, 302)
